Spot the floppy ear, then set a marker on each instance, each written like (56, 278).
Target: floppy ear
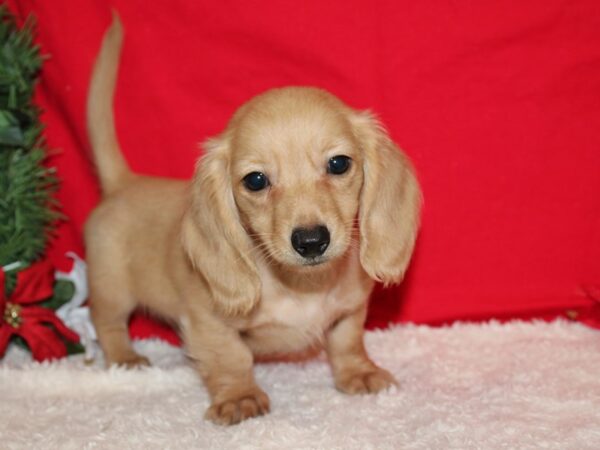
(390, 203)
(213, 236)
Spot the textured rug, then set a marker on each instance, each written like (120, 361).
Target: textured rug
(489, 386)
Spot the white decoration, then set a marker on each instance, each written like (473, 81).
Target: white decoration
(12, 266)
(73, 314)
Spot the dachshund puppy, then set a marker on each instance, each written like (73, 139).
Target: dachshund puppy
(296, 209)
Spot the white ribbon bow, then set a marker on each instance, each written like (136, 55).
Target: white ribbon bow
(73, 314)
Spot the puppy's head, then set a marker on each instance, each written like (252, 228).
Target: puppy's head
(288, 180)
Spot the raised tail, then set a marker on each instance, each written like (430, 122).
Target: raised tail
(112, 168)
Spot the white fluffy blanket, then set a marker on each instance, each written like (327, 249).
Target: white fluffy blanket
(490, 386)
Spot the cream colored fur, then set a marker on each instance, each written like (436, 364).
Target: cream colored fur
(216, 260)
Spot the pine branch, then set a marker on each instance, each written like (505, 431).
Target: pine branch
(20, 62)
(28, 210)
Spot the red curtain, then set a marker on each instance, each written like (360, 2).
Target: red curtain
(497, 103)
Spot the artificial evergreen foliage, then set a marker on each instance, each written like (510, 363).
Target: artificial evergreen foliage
(27, 207)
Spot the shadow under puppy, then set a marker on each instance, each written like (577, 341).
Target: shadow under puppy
(272, 248)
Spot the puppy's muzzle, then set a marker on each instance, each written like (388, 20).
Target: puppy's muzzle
(310, 242)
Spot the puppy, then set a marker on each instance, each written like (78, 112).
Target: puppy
(296, 209)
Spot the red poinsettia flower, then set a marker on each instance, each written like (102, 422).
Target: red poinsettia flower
(38, 326)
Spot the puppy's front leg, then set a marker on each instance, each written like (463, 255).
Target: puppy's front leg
(225, 364)
(353, 371)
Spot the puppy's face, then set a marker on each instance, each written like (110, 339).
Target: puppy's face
(291, 177)
(296, 174)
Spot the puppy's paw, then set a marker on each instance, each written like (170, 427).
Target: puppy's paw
(241, 407)
(133, 361)
(365, 382)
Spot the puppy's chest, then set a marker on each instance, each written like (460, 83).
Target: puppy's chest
(286, 322)
(292, 319)
(300, 312)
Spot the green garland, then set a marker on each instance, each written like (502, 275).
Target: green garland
(28, 209)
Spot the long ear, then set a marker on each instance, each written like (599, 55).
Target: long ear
(213, 236)
(390, 203)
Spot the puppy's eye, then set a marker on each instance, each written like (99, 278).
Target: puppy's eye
(256, 181)
(338, 164)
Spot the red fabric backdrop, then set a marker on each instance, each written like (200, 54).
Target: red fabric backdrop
(497, 103)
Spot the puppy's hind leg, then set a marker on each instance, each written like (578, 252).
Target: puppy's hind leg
(110, 310)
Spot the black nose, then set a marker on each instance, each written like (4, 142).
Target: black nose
(310, 242)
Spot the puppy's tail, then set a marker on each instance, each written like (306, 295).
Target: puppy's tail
(112, 168)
